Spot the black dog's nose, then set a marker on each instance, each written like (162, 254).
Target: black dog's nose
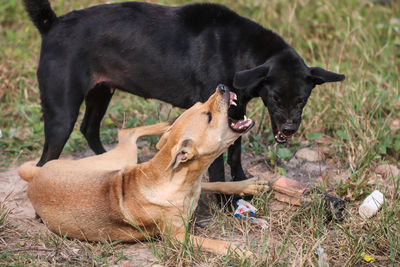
(288, 129)
(222, 89)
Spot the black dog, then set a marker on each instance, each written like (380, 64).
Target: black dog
(174, 54)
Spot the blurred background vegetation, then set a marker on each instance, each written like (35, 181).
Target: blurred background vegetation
(358, 38)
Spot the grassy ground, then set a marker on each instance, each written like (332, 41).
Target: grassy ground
(361, 116)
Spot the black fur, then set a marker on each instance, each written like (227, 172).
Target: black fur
(175, 54)
(41, 14)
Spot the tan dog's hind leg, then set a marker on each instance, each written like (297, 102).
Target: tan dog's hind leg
(248, 187)
(134, 133)
(214, 246)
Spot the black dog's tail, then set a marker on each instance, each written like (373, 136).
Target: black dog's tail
(41, 14)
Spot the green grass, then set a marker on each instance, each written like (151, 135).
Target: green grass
(358, 38)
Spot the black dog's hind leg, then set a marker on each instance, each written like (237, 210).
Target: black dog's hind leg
(97, 102)
(59, 120)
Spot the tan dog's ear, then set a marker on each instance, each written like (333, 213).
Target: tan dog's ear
(184, 151)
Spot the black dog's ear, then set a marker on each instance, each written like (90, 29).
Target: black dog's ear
(320, 76)
(247, 79)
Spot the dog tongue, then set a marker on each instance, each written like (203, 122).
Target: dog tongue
(241, 125)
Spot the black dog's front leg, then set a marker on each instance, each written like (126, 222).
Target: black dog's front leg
(216, 170)
(235, 162)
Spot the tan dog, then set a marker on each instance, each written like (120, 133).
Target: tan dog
(111, 197)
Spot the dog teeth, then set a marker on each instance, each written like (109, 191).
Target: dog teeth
(235, 97)
(244, 117)
(233, 103)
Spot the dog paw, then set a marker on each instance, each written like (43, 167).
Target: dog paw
(243, 253)
(254, 186)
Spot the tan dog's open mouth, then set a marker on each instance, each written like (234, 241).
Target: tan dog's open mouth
(239, 126)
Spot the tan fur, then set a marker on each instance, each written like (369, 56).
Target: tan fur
(245, 187)
(111, 197)
(28, 170)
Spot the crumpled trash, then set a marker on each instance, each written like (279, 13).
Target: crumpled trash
(245, 208)
(371, 204)
(322, 257)
(367, 257)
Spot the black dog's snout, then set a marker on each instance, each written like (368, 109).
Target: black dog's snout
(222, 89)
(289, 129)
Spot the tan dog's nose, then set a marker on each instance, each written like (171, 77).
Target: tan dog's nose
(222, 89)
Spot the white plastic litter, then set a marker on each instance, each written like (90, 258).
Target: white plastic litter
(371, 204)
(322, 257)
(245, 208)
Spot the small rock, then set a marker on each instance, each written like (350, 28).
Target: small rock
(387, 170)
(308, 154)
(395, 125)
(323, 141)
(304, 143)
(326, 151)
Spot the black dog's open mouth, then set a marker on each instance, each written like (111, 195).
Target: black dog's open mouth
(281, 138)
(239, 126)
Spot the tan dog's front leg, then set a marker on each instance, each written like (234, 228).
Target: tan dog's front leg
(214, 246)
(248, 187)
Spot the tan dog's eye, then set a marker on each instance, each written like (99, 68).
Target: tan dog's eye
(209, 116)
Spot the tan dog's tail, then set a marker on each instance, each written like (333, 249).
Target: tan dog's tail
(132, 134)
(28, 170)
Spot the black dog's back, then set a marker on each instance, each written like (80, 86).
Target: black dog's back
(174, 54)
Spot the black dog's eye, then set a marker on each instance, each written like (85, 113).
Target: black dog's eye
(209, 116)
(300, 102)
(276, 99)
